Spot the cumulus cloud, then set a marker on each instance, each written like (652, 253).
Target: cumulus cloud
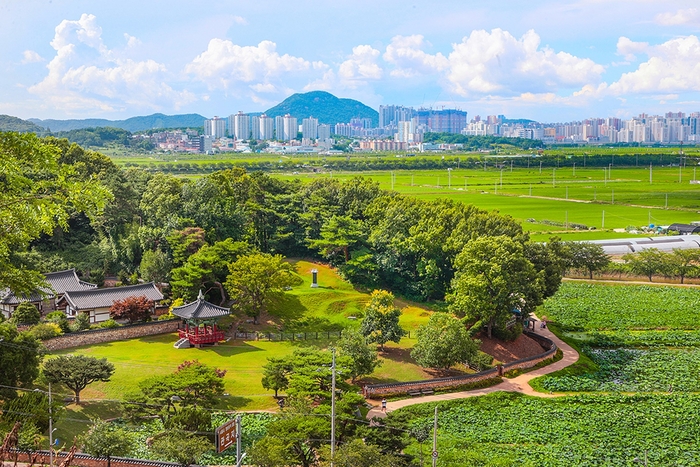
(672, 67)
(496, 62)
(683, 16)
(85, 74)
(629, 49)
(29, 56)
(224, 64)
(406, 54)
(361, 66)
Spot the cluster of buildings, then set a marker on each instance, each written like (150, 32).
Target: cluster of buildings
(403, 128)
(673, 127)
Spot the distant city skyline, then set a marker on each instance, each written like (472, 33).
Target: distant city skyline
(550, 61)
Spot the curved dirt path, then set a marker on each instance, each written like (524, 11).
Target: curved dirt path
(518, 384)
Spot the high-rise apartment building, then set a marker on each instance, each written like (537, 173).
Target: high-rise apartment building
(324, 132)
(241, 126)
(215, 127)
(255, 127)
(309, 128)
(267, 127)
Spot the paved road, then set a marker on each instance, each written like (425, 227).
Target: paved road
(518, 384)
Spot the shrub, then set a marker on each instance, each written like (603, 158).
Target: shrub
(109, 324)
(45, 331)
(59, 318)
(81, 322)
(26, 313)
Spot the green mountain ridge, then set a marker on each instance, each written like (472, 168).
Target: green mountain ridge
(132, 124)
(10, 123)
(324, 106)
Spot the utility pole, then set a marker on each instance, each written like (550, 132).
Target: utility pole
(50, 428)
(333, 410)
(238, 441)
(435, 452)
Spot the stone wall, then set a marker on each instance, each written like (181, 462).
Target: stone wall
(99, 336)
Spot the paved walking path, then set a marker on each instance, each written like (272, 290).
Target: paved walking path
(517, 384)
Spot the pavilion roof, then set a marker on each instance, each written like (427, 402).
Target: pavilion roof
(200, 309)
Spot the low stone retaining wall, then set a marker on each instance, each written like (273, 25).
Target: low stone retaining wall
(99, 336)
(373, 390)
(82, 460)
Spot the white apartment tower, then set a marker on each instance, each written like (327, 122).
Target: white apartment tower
(309, 128)
(267, 127)
(215, 127)
(254, 127)
(241, 126)
(290, 126)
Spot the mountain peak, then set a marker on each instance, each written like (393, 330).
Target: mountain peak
(324, 106)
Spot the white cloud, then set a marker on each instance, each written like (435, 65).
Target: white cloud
(361, 66)
(686, 16)
(498, 63)
(224, 64)
(672, 67)
(629, 49)
(86, 75)
(29, 56)
(407, 55)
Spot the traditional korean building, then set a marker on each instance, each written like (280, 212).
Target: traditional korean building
(200, 319)
(97, 302)
(45, 299)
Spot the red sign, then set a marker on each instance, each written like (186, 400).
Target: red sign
(225, 436)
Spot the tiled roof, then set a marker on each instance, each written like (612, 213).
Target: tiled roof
(60, 282)
(102, 298)
(200, 309)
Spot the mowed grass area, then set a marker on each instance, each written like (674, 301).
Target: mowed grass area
(600, 198)
(332, 303)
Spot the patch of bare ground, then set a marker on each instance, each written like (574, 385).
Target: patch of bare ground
(505, 352)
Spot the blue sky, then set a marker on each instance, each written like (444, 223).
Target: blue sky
(545, 60)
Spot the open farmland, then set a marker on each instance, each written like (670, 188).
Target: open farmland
(593, 307)
(611, 430)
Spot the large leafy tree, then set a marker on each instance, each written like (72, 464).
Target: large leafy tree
(494, 278)
(255, 282)
(132, 308)
(684, 263)
(338, 234)
(77, 371)
(364, 359)
(588, 256)
(39, 193)
(444, 342)
(207, 269)
(20, 356)
(105, 439)
(647, 262)
(192, 384)
(381, 321)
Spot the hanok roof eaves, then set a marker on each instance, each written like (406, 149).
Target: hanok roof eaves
(60, 282)
(105, 297)
(200, 309)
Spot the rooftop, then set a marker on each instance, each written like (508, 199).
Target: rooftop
(200, 309)
(103, 298)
